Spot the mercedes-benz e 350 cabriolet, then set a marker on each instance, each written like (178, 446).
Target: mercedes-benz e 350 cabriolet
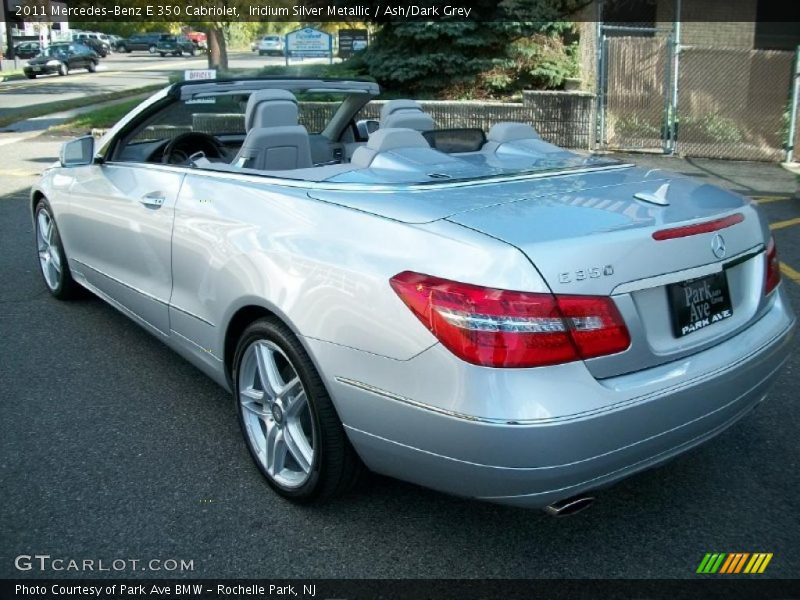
(479, 312)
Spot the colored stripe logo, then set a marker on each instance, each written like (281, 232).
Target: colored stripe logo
(725, 563)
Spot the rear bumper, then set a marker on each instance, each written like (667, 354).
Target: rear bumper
(42, 70)
(605, 430)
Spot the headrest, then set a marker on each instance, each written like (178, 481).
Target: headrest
(510, 132)
(270, 108)
(389, 139)
(393, 106)
(405, 114)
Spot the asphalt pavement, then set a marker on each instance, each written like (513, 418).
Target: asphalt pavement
(117, 72)
(113, 447)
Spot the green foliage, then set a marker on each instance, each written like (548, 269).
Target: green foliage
(127, 29)
(343, 70)
(634, 126)
(709, 129)
(722, 130)
(462, 59)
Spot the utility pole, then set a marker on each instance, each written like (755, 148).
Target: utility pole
(9, 37)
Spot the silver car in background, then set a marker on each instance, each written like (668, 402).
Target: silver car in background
(271, 45)
(482, 313)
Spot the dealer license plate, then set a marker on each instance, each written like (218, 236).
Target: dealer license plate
(698, 303)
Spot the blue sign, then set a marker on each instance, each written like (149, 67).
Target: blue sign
(309, 43)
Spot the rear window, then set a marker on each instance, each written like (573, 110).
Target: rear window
(271, 38)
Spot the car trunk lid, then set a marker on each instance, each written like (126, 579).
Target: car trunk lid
(682, 260)
(593, 233)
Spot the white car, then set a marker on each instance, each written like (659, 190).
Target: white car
(271, 44)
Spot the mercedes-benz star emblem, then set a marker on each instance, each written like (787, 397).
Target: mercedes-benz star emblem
(718, 246)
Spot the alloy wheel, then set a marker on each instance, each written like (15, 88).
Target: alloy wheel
(276, 414)
(49, 249)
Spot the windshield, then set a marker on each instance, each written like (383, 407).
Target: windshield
(55, 50)
(224, 115)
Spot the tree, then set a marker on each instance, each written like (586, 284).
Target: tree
(424, 58)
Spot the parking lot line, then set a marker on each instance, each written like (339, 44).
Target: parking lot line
(790, 273)
(783, 224)
(768, 199)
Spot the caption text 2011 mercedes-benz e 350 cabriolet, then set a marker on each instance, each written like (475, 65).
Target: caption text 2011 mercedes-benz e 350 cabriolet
(479, 312)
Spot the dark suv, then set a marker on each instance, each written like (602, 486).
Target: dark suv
(139, 42)
(101, 47)
(175, 45)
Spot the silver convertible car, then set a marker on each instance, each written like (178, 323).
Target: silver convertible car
(478, 312)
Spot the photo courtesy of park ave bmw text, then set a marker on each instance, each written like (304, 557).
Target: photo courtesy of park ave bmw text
(447, 299)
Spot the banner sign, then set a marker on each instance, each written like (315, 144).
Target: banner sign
(199, 74)
(309, 43)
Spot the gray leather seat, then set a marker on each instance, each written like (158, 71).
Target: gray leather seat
(386, 140)
(519, 139)
(274, 139)
(405, 114)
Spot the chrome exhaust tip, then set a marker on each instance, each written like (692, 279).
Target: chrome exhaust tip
(569, 506)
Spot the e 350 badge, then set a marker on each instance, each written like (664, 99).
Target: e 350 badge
(588, 273)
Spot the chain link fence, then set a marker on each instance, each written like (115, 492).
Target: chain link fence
(732, 103)
(636, 91)
(724, 103)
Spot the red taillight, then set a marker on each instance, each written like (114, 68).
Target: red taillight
(502, 328)
(706, 227)
(773, 267)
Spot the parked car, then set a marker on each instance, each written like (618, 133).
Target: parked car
(101, 47)
(199, 38)
(114, 41)
(271, 44)
(175, 45)
(61, 58)
(482, 313)
(27, 49)
(141, 42)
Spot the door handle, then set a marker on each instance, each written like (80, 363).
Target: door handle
(153, 199)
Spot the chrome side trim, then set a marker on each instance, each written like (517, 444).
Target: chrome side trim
(196, 345)
(685, 274)
(124, 310)
(194, 316)
(780, 338)
(378, 187)
(396, 397)
(122, 283)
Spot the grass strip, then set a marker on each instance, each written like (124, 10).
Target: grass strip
(40, 110)
(104, 117)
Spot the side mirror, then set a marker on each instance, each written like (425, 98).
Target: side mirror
(366, 126)
(77, 152)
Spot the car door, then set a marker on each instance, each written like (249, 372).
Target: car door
(118, 229)
(73, 58)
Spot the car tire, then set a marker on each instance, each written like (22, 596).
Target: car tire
(260, 53)
(300, 447)
(92, 67)
(53, 263)
(162, 54)
(30, 75)
(63, 69)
